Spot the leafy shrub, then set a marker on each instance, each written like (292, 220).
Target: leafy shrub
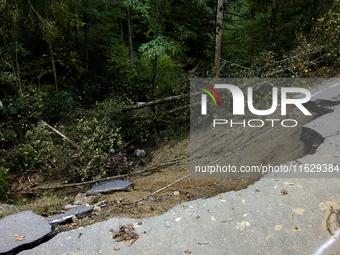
(58, 105)
(5, 186)
(109, 112)
(179, 127)
(21, 114)
(24, 159)
(98, 133)
(7, 138)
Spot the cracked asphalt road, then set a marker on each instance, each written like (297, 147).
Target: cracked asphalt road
(279, 214)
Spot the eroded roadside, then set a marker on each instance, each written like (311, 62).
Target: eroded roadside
(120, 204)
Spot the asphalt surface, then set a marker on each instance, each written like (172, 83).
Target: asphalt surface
(276, 215)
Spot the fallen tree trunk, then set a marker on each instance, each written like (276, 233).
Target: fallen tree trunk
(159, 101)
(152, 168)
(84, 183)
(58, 133)
(177, 109)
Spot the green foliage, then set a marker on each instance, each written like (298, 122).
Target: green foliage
(24, 159)
(97, 134)
(316, 54)
(5, 186)
(21, 113)
(172, 40)
(261, 36)
(7, 137)
(179, 127)
(48, 204)
(58, 105)
(17, 113)
(161, 47)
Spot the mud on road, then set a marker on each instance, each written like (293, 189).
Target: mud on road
(276, 147)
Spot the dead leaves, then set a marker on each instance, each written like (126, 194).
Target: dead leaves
(126, 232)
(19, 238)
(284, 192)
(183, 207)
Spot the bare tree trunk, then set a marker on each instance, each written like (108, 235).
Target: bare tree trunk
(62, 135)
(16, 58)
(121, 27)
(77, 32)
(39, 80)
(153, 80)
(51, 54)
(15, 71)
(53, 66)
(151, 95)
(86, 41)
(129, 32)
(68, 29)
(218, 38)
(158, 101)
(272, 23)
(18, 70)
(15, 67)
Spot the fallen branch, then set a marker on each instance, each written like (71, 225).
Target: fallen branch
(134, 240)
(171, 162)
(149, 169)
(58, 133)
(159, 101)
(128, 143)
(177, 109)
(88, 182)
(278, 72)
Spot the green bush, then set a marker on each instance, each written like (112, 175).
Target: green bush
(109, 112)
(7, 138)
(21, 112)
(24, 159)
(5, 186)
(98, 134)
(58, 105)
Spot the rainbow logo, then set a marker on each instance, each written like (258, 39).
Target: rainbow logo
(213, 90)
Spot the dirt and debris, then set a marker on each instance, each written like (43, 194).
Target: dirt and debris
(170, 162)
(126, 232)
(284, 192)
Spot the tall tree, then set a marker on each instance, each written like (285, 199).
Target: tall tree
(130, 31)
(49, 31)
(218, 37)
(10, 31)
(86, 31)
(49, 40)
